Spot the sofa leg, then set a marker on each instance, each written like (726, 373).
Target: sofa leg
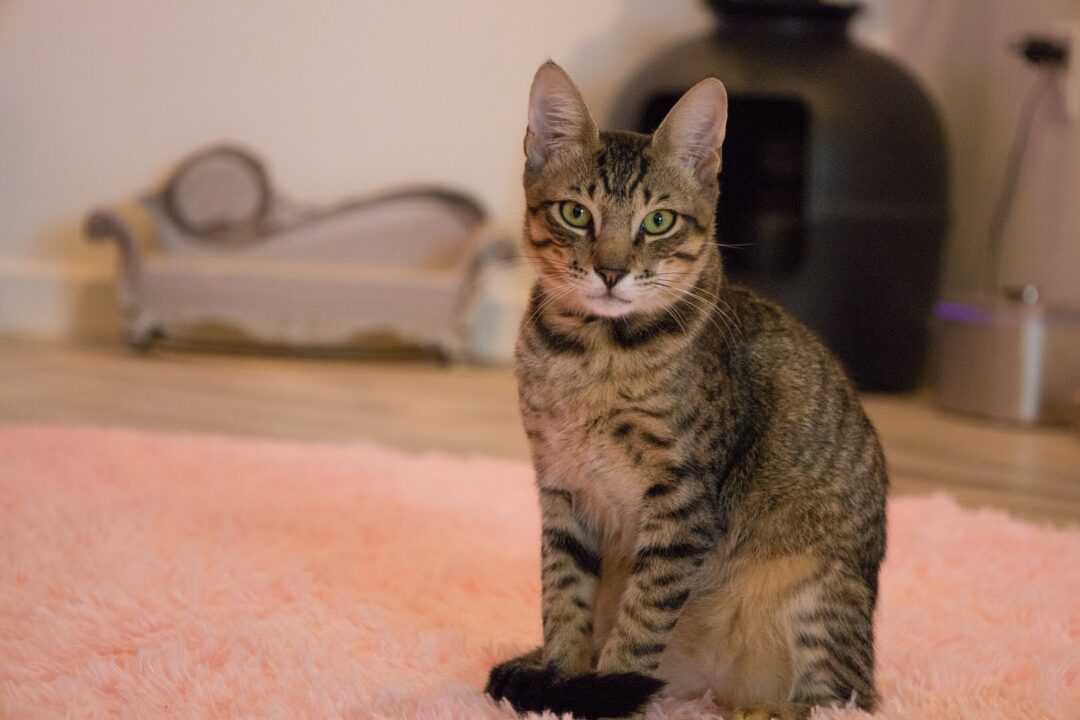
(142, 331)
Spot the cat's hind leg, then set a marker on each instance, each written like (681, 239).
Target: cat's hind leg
(831, 640)
(782, 635)
(773, 711)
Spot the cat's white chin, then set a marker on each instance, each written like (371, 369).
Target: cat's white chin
(607, 305)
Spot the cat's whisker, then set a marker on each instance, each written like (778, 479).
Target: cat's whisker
(705, 308)
(670, 310)
(689, 289)
(549, 300)
(731, 324)
(713, 298)
(701, 290)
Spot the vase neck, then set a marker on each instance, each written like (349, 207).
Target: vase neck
(791, 19)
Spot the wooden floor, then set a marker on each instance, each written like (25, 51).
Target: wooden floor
(421, 405)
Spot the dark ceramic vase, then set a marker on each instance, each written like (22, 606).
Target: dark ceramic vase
(834, 185)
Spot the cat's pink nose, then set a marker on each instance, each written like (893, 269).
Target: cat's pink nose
(610, 276)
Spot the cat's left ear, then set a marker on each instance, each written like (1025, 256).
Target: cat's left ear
(693, 130)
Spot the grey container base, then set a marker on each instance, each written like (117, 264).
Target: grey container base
(1008, 360)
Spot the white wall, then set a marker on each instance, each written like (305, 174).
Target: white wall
(959, 48)
(98, 99)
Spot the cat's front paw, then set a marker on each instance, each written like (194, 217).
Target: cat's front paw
(529, 685)
(505, 678)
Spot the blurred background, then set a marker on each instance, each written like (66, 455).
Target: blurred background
(250, 161)
(100, 100)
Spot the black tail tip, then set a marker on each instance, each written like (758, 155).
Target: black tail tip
(590, 695)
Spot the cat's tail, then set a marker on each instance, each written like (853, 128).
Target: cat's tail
(535, 688)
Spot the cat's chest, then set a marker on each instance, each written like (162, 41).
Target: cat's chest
(574, 432)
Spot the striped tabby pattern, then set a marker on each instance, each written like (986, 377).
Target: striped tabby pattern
(712, 494)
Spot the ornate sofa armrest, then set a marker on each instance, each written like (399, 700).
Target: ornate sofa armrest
(489, 247)
(494, 293)
(129, 226)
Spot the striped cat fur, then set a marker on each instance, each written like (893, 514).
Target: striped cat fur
(712, 493)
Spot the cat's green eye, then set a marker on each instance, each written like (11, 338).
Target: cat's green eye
(658, 221)
(575, 213)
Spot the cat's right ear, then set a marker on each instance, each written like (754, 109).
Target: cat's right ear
(558, 118)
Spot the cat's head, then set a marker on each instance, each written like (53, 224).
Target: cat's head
(620, 223)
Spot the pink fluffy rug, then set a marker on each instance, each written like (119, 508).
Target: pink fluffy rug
(165, 576)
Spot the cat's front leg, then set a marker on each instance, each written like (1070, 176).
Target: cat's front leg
(556, 677)
(678, 529)
(570, 569)
(570, 553)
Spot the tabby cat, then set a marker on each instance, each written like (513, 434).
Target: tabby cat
(712, 493)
